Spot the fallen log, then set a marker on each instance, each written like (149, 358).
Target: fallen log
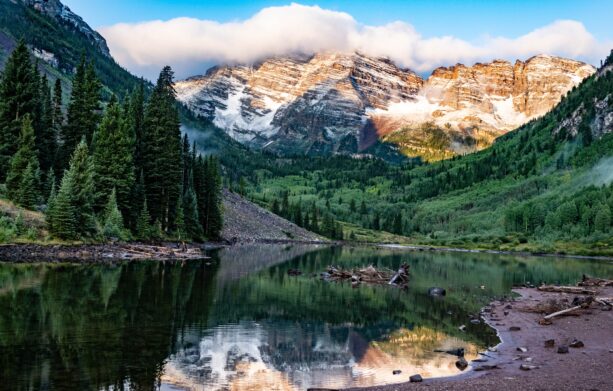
(590, 281)
(566, 289)
(401, 276)
(566, 311)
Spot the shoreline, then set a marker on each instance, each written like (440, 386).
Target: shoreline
(107, 252)
(582, 368)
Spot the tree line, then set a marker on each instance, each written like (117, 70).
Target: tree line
(119, 171)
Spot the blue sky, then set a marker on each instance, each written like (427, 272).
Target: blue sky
(191, 35)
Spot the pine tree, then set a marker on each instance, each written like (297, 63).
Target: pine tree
(61, 216)
(193, 228)
(137, 119)
(162, 151)
(18, 98)
(213, 215)
(46, 138)
(112, 158)
(113, 221)
(143, 223)
(72, 214)
(58, 124)
(23, 158)
(28, 190)
(83, 110)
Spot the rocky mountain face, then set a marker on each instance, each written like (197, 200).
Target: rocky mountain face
(334, 102)
(63, 14)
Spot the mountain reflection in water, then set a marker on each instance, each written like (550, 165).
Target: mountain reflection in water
(239, 322)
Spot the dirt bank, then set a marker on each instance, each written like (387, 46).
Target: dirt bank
(582, 368)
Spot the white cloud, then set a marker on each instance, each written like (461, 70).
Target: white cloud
(189, 45)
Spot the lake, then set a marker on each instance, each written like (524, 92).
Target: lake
(238, 321)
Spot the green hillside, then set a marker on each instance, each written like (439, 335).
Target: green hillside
(543, 187)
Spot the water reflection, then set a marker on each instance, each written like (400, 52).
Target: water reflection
(241, 323)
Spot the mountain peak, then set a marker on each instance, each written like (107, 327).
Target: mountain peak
(341, 102)
(60, 12)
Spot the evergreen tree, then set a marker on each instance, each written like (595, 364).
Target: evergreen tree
(83, 110)
(46, 138)
(58, 124)
(137, 120)
(18, 98)
(143, 223)
(212, 214)
(72, 214)
(112, 157)
(28, 190)
(162, 151)
(61, 216)
(113, 221)
(23, 158)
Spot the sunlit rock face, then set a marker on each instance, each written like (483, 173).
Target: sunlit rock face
(330, 102)
(258, 356)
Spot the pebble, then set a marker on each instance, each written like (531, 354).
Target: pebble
(526, 367)
(522, 349)
(397, 372)
(416, 379)
(514, 328)
(475, 321)
(576, 344)
(562, 349)
(550, 343)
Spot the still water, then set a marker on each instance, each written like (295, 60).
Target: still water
(237, 321)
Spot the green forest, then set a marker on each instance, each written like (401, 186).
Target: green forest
(101, 170)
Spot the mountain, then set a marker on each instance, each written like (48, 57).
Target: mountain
(59, 38)
(544, 187)
(334, 102)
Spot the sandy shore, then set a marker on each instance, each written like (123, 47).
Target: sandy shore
(586, 368)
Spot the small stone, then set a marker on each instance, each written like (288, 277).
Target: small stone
(506, 313)
(522, 349)
(508, 307)
(461, 364)
(416, 379)
(514, 328)
(562, 349)
(606, 308)
(550, 343)
(526, 367)
(462, 328)
(492, 349)
(397, 372)
(436, 292)
(576, 344)
(486, 367)
(528, 359)
(545, 322)
(475, 321)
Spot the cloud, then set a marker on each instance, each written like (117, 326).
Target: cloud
(189, 45)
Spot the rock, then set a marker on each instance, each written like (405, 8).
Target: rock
(416, 379)
(436, 292)
(576, 344)
(550, 343)
(461, 364)
(545, 322)
(514, 328)
(522, 349)
(462, 328)
(526, 367)
(506, 313)
(475, 321)
(508, 307)
(397, 372)
(562, 349)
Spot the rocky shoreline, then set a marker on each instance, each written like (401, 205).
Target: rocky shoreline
(571, 352)
(101, 253)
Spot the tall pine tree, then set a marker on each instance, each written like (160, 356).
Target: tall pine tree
(162, 152)
(113, 148)
(19, 96)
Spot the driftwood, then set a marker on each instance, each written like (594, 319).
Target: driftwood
(566, 289)
(566, 311)
(589, 281)
(369, 275)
